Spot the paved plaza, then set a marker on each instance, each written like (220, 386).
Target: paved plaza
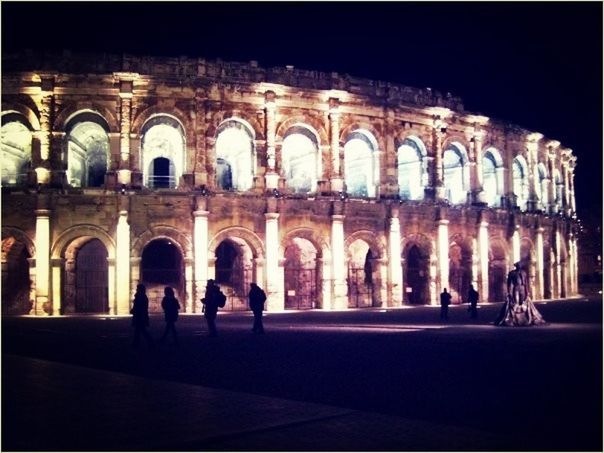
(395, 379)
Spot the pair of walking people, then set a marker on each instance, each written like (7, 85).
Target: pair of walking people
(445, 301)
(140, 315)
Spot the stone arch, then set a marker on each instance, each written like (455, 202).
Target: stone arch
(71, 111)
(31, 115)
(366, 280)
(318, 241)
(349, 126)
(181, 240)
(156, 110)
(460, 266)
(375, 243)
(456, 139)
(237, 115)
(235, 161)
(60, 245)
(421, 240)
(18, 286)
(415, 131)
(492, 175)
(411, 167)
(308, 121)
(21, 236)
(300, 157)
(251, 238)
(494, 151)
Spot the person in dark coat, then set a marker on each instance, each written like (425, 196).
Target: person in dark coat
(445, 301)
(473, 299)
(140, 316)
(257, 297)
(210, 306)
(170, 306)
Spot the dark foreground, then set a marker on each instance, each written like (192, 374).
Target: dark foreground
(395, 380)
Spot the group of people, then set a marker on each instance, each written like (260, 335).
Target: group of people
(214, 298)
(518, 309)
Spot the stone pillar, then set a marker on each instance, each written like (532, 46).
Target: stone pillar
(275, 299)
(124, 168)
(271, 176)
(43, 170)
(56, 285)
(571, 183)
(532, 148)
(539, 287)
(397, 286)
(437, 179)
(43, 304)
(189, 302)
(566, 190)
(339, 268)
(111, 286)
(551, 193)
(389, 186)
(476, 177)
(336, 179)
(326, 279)
(558, 264)
(122, 264)
(576, 266)
(483, 248)
(200, 250)
(516, 244)
(443, 255)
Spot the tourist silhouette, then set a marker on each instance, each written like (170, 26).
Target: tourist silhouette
(473, 299)
(212, 300)
(140, 316)
(171, 306)
(445, 301)
(257, 297)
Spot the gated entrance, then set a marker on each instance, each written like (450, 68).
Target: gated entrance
(360, 288)
(416, 278)
(92, 295)
(300, 288)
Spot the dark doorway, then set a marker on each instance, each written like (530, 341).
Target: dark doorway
(361, 284)
(231, 275)
(497, 273)
(162, 265)
(160, 178)
(416, 279)
(92, 295)
(300, 275)
(16, 285)
(224, 174)
(460, 273)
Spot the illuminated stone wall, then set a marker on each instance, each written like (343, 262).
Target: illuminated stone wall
(390, 193)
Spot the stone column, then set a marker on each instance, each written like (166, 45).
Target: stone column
(551, 193)
(566, 189)
(43, 303)
(516, 244)
(111, 286)
(571, 183)
(336, 179)
(122, 264)
(438, 131)
(189, 302)
(558, 264)
(396, 272)
(339, 268)
(532, 148)
(56, 285)
(443, 254)
(576, 266)
(124, 168)
(389, 186)
(483, 248)
(275, 298)
(476, 177)
(43, 170)
(272, 176)
(200, 249)
(539, 287)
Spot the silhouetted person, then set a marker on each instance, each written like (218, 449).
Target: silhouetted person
(171, 306)
(473, 299)
(140, 316)
(257, 298)
(210, 303)
(445, 301)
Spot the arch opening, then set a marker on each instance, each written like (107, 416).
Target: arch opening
(301, 275)
(492, 177)
(87, 151)
(460, 272)
(417, 276)
(234, 272)
(16, 142)
(163, 138)
(455, 174)
(234, 156)
(91, 270)
(497, 272)
(299, 159)
(412, 176)
(162, 265)
(16, 283)
(363, 276)
(520, 182)
(360, 164)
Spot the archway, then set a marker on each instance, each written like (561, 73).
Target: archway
(234, 155)
(16, 141)
(91, 290)
(162, 265)
(417, 275)
(411, 169)
(163, 137)
(460, 271)
(361, 165)
(455, 173)
(16, 282)
(301, 275)
(363, 275)
(497, 272)
(234, 272)
(87, 150)
(299, 159)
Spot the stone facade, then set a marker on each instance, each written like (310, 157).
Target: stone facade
(330, 191)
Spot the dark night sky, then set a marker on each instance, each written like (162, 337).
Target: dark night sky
(538, 65)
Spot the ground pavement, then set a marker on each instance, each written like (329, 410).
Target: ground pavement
(396, 379)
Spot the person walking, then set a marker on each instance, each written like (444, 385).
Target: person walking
(140, 316)
(473, 299)
(170, 306)
(445, 301)
(211, 302)
(257, 297)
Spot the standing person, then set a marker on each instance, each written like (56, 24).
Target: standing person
(257, 297)
(171, 306)
(473, 299)
(140, 316)
(211, 301)
(445, 301)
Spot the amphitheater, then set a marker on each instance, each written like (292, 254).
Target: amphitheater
(332, 192)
